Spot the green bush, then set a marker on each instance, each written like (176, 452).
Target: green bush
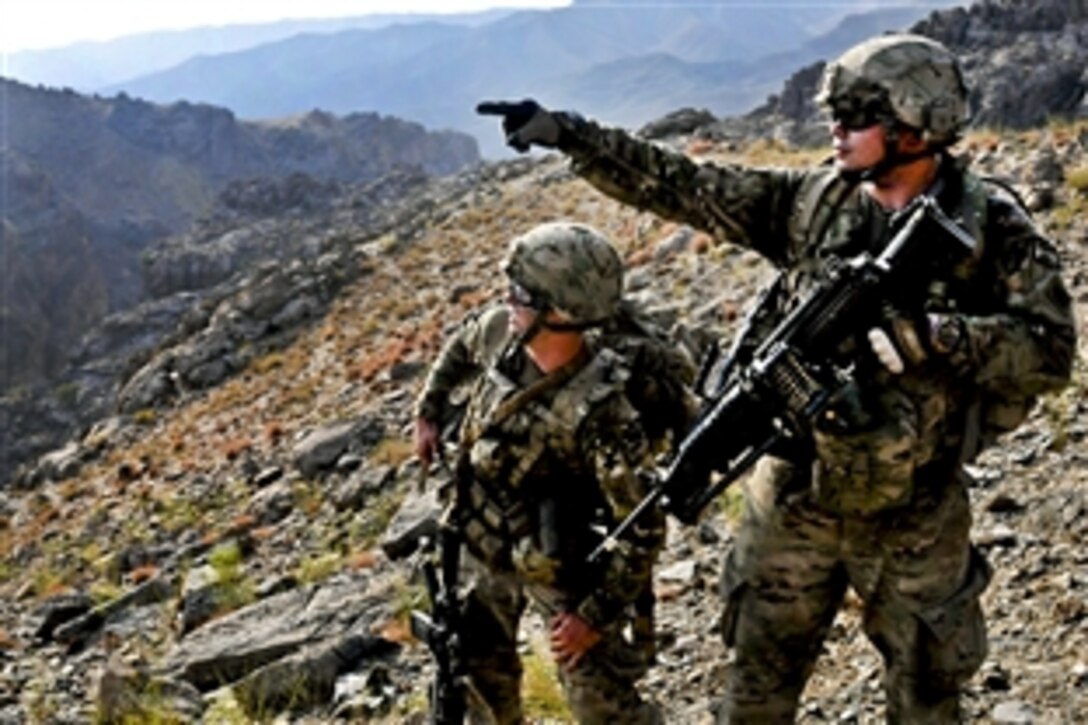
(1077, 179)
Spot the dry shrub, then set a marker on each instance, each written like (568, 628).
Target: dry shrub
(235, 447)
(398, 631)
(1077, 179)
(44, 516)
(699, 147)
(273, 431)
(473, 299)
(392, 452)
(240, 524)
(362, 560)
(143, 573)
(701, 243)
(7, 641)
(262, 533)
(392, 352)
(639, 258)
(426, 335)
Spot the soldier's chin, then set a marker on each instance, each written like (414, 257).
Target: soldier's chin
(851, 173)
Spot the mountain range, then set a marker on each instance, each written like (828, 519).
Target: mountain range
(629, 63)
(89, 66)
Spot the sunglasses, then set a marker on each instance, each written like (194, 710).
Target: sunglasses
(855, 118)
(518, 295)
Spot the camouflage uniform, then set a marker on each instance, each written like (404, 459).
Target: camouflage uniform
(543, 473)
(881, 506)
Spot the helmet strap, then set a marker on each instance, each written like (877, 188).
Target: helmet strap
(891, 159)
(569, 326)
(539, 323)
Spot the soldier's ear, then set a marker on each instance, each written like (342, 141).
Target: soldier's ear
(911, 140)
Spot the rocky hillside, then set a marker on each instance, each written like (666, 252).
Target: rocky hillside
(1025, 64)
(90, 181)
(219, 550)
(286, 238)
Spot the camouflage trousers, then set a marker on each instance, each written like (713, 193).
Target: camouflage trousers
(914, 569)
(601, 689)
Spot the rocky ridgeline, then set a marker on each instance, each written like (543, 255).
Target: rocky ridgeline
(220, 548)
(1025, 64)
(72, 242)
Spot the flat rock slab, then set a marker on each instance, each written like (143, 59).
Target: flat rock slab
(230, 648)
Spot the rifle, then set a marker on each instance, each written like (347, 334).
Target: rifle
(440, 630)
(794, 375)
(440, 550)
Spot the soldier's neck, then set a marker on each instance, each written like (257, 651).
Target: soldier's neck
(550, 350)
(900, 185)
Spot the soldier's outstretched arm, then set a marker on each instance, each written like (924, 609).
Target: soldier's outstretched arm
(742, 205)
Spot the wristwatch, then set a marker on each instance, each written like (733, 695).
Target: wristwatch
(946, 333)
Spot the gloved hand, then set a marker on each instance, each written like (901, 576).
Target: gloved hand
(944, 335)
(947, 332)
(525, 123)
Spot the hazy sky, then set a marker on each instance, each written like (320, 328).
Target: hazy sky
(28, 24)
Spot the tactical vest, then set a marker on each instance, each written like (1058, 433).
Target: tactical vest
(920, 418)
(531, 498)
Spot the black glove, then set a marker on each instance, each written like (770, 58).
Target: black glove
(525, 123)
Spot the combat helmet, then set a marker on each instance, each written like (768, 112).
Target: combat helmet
(904, 78)
(568, 267)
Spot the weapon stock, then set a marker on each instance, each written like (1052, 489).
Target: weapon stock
(793, 376)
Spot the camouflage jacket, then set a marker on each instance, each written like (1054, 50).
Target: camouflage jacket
(1017, 314)
(543, 475)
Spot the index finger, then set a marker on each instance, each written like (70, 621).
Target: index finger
(495, 108)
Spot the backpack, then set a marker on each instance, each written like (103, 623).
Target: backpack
(662, 371)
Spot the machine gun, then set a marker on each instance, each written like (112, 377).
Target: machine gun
(440, 630)
(794, 375)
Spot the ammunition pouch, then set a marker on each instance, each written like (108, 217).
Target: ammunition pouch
(868, 471)
(491, 524)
